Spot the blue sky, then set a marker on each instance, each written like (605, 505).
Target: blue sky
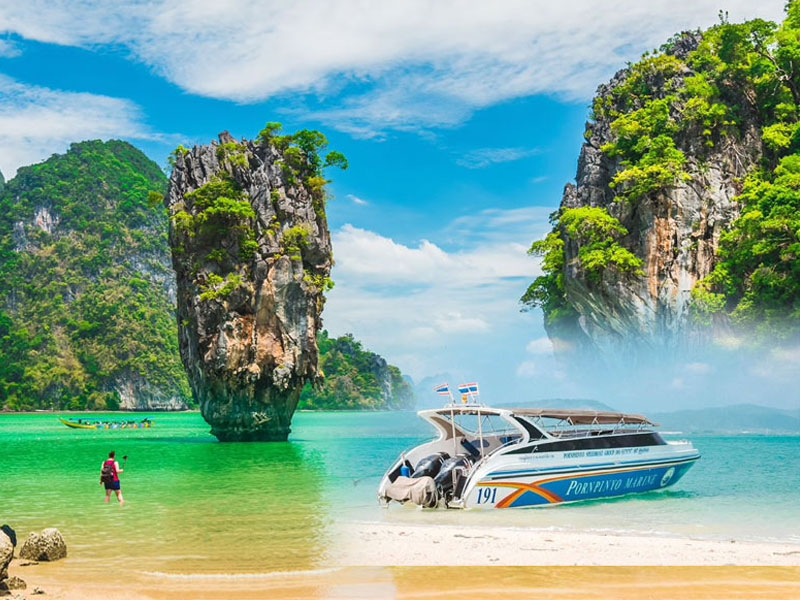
(462, 122)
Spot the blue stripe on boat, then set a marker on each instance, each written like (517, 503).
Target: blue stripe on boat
(588, 468)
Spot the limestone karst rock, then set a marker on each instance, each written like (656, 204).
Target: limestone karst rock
(674, 230)
(252, 254)
(87, 290)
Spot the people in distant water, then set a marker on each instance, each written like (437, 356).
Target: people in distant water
(109, 477)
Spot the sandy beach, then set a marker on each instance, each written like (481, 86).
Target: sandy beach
(401, 583)
(393, 544)
(392, 560)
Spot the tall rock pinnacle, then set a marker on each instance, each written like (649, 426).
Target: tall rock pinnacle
(252, 254)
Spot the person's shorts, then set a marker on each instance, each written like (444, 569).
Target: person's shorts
(114, 485)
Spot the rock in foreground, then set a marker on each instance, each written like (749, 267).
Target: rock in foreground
(252, 254)
(6, 554)
(48, 545)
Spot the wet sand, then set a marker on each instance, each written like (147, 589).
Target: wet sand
(401, 583)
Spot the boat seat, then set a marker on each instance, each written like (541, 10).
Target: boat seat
(470, 447)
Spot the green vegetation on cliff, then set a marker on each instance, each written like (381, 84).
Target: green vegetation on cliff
(597, 233)
(85, 310)
(757, 279)
(740, 81)
(355, 379)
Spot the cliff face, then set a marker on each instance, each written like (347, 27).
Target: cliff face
(252, 254)
(356, 379)
(86, 287)
(674, 230)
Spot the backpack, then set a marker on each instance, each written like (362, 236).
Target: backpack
(107, 472)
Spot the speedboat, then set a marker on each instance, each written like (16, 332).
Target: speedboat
(522, 457)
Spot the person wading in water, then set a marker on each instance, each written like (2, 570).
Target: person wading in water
(109, 477)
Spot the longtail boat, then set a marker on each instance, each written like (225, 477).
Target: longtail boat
(98, 424)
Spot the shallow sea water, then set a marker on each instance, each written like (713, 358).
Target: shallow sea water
(197, 506)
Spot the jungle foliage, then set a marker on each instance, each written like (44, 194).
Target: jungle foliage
(354, 379)
(740, 76)
(84, 273)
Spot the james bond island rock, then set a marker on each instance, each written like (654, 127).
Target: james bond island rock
(252, 254)
(683, 225)
(87, 291)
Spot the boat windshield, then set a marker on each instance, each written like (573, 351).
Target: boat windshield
(486, 424)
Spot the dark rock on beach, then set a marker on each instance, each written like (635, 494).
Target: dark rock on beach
(13, 583)
(6, 554)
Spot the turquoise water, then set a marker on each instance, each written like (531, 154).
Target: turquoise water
(196, 505)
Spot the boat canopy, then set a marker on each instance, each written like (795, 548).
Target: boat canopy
(572, 417)
(583, 417)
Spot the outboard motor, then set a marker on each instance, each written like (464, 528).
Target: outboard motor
(452, 470)
(430, 465)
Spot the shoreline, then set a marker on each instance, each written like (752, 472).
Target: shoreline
(396, 560)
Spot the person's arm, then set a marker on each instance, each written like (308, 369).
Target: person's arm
(116, 465)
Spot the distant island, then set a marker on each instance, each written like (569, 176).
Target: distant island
(356, 379)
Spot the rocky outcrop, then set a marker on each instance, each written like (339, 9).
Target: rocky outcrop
(675, 231)
(252, 254)
(6, 554)
(48, 545)
(136, 393)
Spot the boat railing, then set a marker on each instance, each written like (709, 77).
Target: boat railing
(573, 433)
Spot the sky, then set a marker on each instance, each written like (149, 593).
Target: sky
(462, 122)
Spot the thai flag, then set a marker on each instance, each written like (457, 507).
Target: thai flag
(469, 388)
(442, 390)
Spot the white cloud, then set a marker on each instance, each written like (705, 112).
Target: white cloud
(9, 49)
(36, 121)
(356, 200)
(541, 345)
(523, 224)
(424, 300)
(527, 369)
(380, 261)
(423, 64)
(698, 368)
(455, 322)
(788, 355)
(485, 157)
